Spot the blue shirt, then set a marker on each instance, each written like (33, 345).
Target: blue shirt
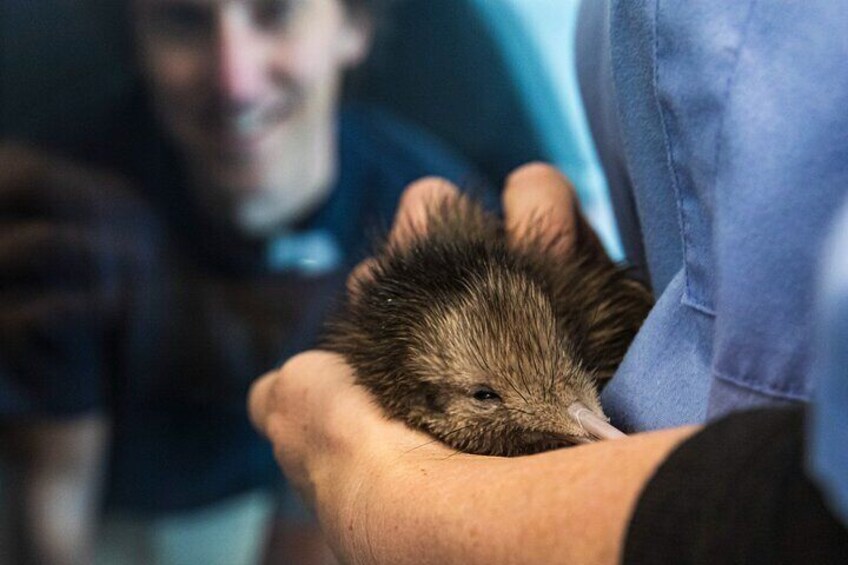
(735, 134)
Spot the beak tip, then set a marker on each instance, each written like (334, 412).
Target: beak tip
(596, 426)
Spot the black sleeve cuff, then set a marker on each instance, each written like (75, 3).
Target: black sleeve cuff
(736, 493)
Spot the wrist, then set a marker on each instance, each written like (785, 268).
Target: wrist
(344, 496)
(373, 495)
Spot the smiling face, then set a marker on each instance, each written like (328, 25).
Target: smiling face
(248, 90)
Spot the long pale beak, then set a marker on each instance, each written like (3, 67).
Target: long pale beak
(594, 425)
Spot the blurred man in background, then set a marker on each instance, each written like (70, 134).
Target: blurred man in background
(141, 303)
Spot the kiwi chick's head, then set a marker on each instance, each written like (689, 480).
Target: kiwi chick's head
(500, 376)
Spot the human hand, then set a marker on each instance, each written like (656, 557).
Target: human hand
(331, 440)
(537, 198)
(329, 437)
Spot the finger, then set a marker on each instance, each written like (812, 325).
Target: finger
(415, 202)
(540, 204)
(259, 399)
(291, 387)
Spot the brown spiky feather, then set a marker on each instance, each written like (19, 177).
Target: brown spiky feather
(482, 344)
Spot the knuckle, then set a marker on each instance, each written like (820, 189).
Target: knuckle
(278, 394)
(259, 401)
(295, 366)
(292, 382)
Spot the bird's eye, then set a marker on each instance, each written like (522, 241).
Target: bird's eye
(485, 394)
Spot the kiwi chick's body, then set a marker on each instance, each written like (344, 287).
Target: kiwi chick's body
(484, 344)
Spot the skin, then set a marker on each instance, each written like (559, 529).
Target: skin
(56, 469)
(248, 91)
(386, 494)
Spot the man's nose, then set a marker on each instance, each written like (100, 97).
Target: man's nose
(241, 72)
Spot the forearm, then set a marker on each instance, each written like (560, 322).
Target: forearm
(568, 506)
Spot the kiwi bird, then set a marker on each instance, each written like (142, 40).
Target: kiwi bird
(490, 346)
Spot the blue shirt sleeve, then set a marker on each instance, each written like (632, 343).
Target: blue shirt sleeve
(732, 116)
(781, 175)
